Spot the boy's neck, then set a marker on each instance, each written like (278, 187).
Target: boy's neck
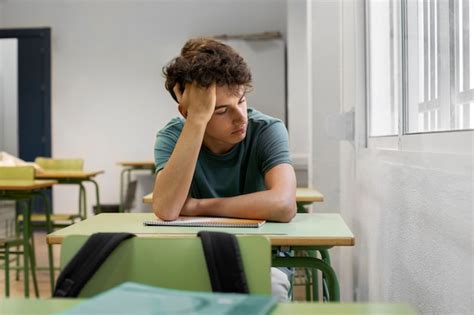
(217, 147)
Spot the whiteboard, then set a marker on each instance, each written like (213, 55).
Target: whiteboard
(266, 59)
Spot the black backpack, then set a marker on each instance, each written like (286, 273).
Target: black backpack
(221, 251)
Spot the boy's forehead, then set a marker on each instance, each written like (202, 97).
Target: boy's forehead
(225, 91)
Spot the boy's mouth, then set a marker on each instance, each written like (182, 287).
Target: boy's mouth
(239, 131)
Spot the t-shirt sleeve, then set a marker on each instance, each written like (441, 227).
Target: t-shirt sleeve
(273, 147)
(164, 145)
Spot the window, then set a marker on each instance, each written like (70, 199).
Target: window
(384, 69)
(420, 66)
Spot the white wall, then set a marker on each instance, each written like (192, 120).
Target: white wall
(299, 87)
(108, 99)
(326, 76)
(415, 230)
(411, 212)
(266, 59)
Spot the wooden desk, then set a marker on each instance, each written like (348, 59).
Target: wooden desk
(25, 191)
(303, 196)
(75, 178)
(308, 195)
(67, 175)
(56, 305)
(25, 185)
(128, 168)
(316, 229)
(305, 231)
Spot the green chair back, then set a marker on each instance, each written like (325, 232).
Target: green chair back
(17, 173)
(49, 164)
(176, 263)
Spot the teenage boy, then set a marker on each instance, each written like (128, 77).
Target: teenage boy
(221, 158)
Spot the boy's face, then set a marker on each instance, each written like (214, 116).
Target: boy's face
(228, 125)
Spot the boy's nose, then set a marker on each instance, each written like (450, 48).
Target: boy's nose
(239, 118)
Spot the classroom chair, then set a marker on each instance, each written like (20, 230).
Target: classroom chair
(171, 262)
(60, 220)
(127, 204)
(13, 244)
(10, 245)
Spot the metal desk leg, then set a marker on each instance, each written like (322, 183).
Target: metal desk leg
(32, 251)
(82, 201)
(7, 270)
(96, 194)
(316, 263)
(325, 256)
(17, 258)
(26, 248)
(309, 274)
(49, 228)
(125, 170)
(33, 270)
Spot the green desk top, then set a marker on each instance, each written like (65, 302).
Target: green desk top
(52, 306)
(315, 229)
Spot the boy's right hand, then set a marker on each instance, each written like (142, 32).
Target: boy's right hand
(196, 102)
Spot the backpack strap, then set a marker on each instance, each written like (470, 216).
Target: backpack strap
(224, 262)
(86, 262)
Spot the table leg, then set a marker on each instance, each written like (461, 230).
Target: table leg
(17, 258)
(82, 202)
(32, 248)
(308, 276)
(315, 263)
(7, 270)
(97, 194)
(33, 270)
(49, 228)
(26, 248)
(325, 256)
(125, 170)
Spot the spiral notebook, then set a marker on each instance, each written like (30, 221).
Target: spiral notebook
(208, 222)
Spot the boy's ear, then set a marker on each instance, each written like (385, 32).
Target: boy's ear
(183, 111)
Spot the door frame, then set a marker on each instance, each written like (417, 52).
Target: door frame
(45, 34)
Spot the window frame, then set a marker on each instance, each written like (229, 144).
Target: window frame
(456, 141)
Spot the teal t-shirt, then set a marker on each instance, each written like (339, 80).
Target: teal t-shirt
(239, 171)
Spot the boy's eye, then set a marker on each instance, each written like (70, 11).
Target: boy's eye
(220, 111)
(242, 100)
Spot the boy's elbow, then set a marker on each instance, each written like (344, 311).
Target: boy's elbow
(287, 211)
(164, 213)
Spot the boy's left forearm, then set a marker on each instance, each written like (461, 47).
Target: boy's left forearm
(268, 205)
(276, 203)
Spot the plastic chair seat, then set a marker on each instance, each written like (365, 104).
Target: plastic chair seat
(10, 241)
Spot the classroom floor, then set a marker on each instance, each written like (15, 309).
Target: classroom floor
(16, 287)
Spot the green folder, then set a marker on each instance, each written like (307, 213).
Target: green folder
(134, 298)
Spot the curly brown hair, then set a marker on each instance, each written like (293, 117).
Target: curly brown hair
(206, 60)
